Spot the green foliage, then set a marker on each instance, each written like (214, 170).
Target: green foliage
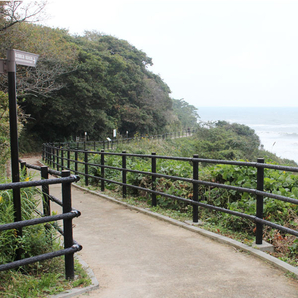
(275, 181)
(34, 240)
(111, 161)
(294, 248)
(4, 130)
(48, 280)
(92, 83)
(41, 278)
(114, 89)
(186, 113)
(222, 140)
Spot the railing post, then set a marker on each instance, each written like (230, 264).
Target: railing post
(57, 157)
(62, 159)
(102, 169)
(49, 149)
(153, 170)
(259, 213)
(195, 208)
(76, 161)
(53, 155)
(67, 226)
(50, 155)
(124, 174)
(45, 192)
(86, 168)
(43, 152)
(48, 152)
(68, 157)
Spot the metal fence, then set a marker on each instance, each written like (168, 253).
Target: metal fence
(68, 213)
(60, 157)
(112, 143)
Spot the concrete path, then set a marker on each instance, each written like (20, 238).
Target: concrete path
(135, 255)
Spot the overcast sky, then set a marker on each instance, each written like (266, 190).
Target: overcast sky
(211, 53)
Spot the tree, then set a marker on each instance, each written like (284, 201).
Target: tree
(187, 114)
(112, 88)
(92, 83)
(18, 32)
(56, 57)
(15, 12)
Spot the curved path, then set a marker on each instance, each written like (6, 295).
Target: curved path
(135, 255)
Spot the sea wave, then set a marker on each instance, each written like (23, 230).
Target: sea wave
(290, 135)
(277, 128)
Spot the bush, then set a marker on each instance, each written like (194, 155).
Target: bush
(275, 181)
(35, 239)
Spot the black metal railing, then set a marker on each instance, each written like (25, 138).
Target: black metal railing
(112, 143)
(79, 163)
(68, 213)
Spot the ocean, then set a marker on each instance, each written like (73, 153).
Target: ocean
(277, 127)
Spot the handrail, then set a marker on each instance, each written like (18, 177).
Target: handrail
(109, 144)
(16, 185)
(70, 245)
(55, 156)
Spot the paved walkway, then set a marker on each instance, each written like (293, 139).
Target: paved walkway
(135, 255)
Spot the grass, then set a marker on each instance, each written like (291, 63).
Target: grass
(47, 279)
(39, 279)
(285, 247)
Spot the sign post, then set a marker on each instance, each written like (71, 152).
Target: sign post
(9, 66)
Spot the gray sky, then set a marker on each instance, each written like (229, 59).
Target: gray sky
(209, 52)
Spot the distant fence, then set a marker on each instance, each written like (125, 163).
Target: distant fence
(68, 213)
(111, 143)
(73, 159)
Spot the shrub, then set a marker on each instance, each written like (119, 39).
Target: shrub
(35, 239)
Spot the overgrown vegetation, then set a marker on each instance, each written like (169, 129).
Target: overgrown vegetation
(4, 130)
(47, 277)
(277, 182)
(96, 83)
(92, 83)
(37, 279)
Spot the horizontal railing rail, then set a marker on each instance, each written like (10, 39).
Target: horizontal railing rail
(56, 157)
(68, 213)
(113, 142)
(36, 221)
